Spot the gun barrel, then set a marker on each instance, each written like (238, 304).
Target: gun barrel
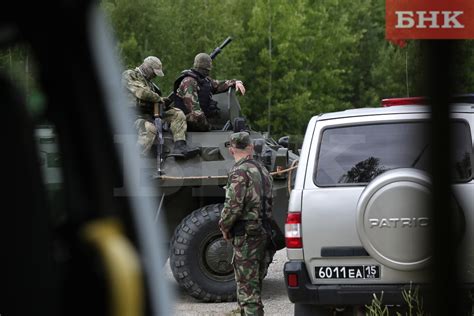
(226, 42)
(218, 49)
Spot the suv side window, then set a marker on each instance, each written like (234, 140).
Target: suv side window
(357, 154)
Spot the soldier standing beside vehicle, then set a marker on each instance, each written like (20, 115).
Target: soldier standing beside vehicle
(143, 94)
(248, 195)
(193, 92)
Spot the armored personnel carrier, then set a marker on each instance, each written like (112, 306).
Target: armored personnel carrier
(191, 193)
(192, 196)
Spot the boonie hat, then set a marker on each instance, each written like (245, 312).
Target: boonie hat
(240, 140)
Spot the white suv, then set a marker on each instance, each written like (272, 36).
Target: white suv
(359, 221)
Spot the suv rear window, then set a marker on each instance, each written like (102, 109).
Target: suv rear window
(357, 154)
(461, 152)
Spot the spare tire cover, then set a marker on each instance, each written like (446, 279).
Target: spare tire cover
(394, 219)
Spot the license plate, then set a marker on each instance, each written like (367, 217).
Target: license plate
(348, 272)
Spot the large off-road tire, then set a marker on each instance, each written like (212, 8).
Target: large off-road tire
(200, 258)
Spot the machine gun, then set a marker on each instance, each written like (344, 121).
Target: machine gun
(160, 107)
(219, 48)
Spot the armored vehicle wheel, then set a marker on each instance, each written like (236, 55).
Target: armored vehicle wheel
(200, 258)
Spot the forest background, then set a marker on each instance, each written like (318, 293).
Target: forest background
(296, 58)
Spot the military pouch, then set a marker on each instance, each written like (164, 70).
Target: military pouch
(276, 239)
(271, 245)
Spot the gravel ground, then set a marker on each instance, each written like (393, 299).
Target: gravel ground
(275, 298)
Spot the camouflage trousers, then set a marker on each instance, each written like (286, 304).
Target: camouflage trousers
(197, 121)
(250, 268)
(146, 129)
(177, 121)
(146, 134)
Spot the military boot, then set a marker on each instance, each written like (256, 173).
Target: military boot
(181, 150)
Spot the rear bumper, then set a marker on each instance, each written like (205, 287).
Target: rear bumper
(340, 294)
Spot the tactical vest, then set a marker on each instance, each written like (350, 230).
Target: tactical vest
(145, 108)
(204, 90)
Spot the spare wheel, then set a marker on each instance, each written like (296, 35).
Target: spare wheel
(394, 219)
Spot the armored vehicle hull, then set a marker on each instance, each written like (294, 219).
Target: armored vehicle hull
(190, 194)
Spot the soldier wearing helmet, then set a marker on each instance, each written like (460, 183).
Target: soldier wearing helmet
(143, 94)
(193, 92)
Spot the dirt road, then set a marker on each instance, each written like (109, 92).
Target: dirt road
(274, 295)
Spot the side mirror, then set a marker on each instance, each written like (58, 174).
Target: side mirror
(284, 141)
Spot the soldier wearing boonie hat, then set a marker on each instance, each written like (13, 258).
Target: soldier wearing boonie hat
(240, 140)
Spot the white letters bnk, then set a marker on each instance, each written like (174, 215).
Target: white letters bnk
(428, 19)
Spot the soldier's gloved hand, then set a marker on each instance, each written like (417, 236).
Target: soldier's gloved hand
(166, 102)
(239, 86)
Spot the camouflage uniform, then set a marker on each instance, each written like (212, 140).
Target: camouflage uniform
(142, 95)
(243, 204)
(193, 90)
(188, 91)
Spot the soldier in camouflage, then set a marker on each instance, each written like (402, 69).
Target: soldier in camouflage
(143, 94)
(241, 222)
(194, 89)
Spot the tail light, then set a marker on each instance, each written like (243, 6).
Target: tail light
(293, 230)
(293, 280)
(405, 101)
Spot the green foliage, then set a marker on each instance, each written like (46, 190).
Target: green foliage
(376, 308)
(302, 65)
(297, 58)
(413, 304)
(463, 76)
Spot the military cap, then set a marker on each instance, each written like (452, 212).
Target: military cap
(155, 64)
(240, 140)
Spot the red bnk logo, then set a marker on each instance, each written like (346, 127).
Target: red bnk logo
(429, 19)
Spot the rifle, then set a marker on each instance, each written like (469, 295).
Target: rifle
(157, 110)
